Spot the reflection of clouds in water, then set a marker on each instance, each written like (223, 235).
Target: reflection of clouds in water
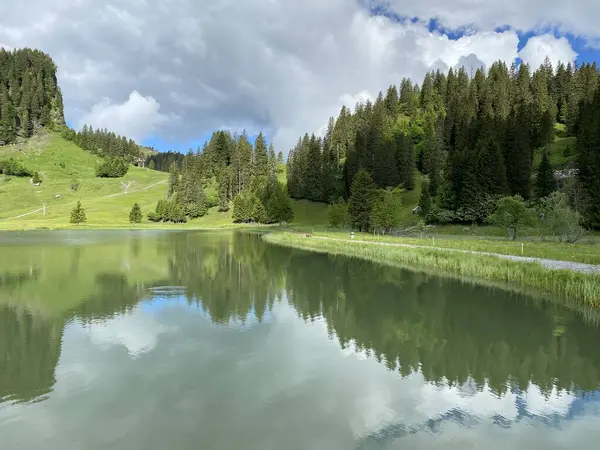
(137, 331)
(433, 401)
(539, 404)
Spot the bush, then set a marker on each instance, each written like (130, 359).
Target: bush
(14, 168)
(511, 213)
(337, 214)
(386, 213)
(154, 217)
(112, 168)
(195, 210)
(558, 220)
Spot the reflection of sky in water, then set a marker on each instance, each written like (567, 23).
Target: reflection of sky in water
(281, 381)
(140, 330)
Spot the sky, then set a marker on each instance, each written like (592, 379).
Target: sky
(167, 73)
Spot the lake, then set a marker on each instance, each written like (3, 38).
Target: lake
(186, 340)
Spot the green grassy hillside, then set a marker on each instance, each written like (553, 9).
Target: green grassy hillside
(61, 164)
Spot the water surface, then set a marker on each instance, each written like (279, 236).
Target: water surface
(186, 340)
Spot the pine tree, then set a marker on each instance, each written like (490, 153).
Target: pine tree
(173, 179)
(259, 212)
(242, 207)
(279, 206)
(545, 183)
(78, 214)
(588, 160)
(36, 178)
(135, 215)
(261, 156)
(386, 211)
(362, 197)
(424, 200)
(224, 193)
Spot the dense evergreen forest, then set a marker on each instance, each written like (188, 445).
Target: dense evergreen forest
(29, 94)
(473, 138)
(104, 143)
(162, 161)
(233, 170)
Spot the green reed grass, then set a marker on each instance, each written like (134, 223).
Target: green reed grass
(574, 289)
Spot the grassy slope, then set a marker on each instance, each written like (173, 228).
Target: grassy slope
(557, 156)
(107, 205)
(59, 162)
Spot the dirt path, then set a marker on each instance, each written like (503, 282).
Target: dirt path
(548, 263)
(94, 200)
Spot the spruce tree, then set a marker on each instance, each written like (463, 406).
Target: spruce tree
(279, 206)
(362, 197)
(242, 207)
(545, 183)
(425, 200)
(386, 211)
(588, 160)
(261, 156)
(173, 179)
(224, 192)
(135, 215)
(78, 214)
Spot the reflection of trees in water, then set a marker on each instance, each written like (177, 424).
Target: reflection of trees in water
(114, 296)
(10, 280)
(447, 329)
(230, 276)
(29, 352)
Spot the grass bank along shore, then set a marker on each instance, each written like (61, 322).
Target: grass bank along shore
(577, 290)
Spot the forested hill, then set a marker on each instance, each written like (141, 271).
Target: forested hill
(474, 138)
(29, 94)
(30, 98)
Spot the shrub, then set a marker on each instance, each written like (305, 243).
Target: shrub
(112, 168)
(337, 214)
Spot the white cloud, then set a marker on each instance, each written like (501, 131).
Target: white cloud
(137, 117)
(577, 17)
(283, 66)
(539, 47)
(136, 331)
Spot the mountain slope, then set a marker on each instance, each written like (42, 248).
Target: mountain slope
(61, 164)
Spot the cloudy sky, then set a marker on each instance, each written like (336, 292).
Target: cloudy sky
(169, 72)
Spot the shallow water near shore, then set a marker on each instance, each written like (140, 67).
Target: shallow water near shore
(155, 340)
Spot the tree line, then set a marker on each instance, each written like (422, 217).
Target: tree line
(103, 142)
(227, 171)
(29, 94)
(162, 161)
(473, 138)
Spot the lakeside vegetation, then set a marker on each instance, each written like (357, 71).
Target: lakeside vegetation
(576, 289)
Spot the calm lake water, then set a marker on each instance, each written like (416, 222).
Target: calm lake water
(189, 340)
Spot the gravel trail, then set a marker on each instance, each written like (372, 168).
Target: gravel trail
(548, 263)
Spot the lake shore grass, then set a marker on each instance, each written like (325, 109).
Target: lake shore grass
(579, 252)
(576, 290)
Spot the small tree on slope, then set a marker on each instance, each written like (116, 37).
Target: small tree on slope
(78, 214)
(135, 215)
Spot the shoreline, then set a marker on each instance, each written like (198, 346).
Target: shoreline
(574, 289)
